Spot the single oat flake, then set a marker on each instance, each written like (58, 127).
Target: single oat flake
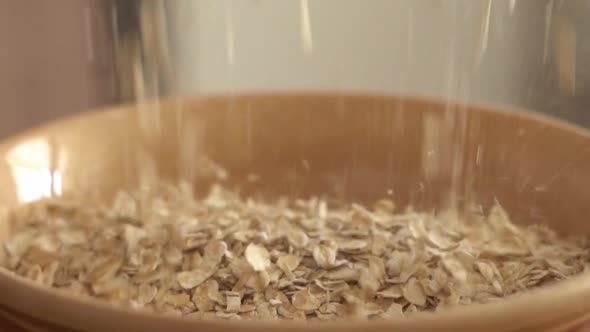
(227, 257)
(258, 257)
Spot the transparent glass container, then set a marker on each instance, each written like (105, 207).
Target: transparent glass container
(515, 52)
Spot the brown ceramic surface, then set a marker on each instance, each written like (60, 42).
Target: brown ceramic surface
(359, 146)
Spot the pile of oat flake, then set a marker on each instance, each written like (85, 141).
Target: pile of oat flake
(225, 257)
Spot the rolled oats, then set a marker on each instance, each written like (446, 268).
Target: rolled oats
(224, 257)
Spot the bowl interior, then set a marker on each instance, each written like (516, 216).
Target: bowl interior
(356, 147)
(360, 148)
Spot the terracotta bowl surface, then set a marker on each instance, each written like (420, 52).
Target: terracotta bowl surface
(357, 146)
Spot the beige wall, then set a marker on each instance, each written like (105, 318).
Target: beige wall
(52, 60)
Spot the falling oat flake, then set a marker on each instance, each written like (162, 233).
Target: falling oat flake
(224, 257)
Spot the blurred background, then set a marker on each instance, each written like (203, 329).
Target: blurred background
(62, 57)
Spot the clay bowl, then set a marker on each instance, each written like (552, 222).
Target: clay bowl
(356, 146)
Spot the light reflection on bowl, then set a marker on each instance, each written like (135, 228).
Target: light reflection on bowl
(30, 163)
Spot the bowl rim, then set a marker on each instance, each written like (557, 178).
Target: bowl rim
(537, 305)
